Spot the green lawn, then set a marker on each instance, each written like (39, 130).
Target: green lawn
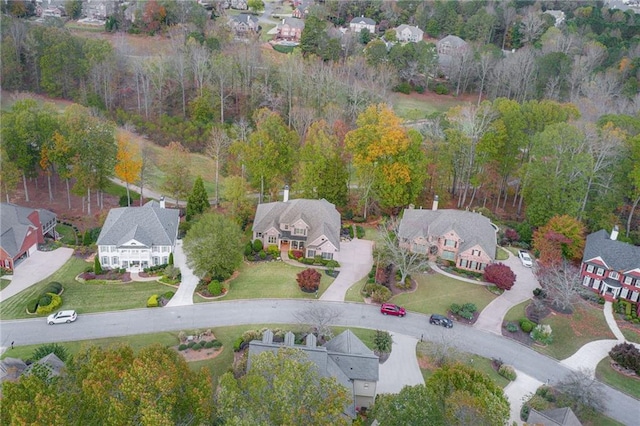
(502, 254)
(415, 108)
(4, 283)
(631, 332)
(353, 294)
(68, 234)
(371, 233)
(611, 377)
(263, 280)
(119, 191)
(436, 292)
(84, 297)
(514, 314)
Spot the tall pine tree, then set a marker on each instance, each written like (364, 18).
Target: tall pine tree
(198, 200)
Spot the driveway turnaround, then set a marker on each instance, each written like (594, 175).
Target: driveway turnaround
(184, 295)
(356, 260)
(401, 369)
(35, 268)
(519, 390)
(491, 317)
(619, 406)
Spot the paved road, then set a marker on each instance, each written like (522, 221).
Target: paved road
(205, 315)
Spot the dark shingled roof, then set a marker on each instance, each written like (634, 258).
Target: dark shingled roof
(617, 255)
(15, 224)
(363, 20)
(149, 224)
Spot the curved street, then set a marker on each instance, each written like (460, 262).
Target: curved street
(620, 406)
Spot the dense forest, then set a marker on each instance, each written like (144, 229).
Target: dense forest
(553, 128)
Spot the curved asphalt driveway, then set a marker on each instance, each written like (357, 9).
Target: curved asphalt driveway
(619, 406)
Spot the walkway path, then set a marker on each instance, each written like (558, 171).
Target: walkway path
(491, 317)
(356, 260)
(184, 295)
(611, 321)
(401, 369)
(35, 268)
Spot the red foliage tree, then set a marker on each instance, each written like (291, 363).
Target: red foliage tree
(309, 280)
(511, 235)
(500, 275)
(561, 238)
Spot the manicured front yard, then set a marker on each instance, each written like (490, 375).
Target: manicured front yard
(4, 283)
(84, 297)
(264, 280)
(611, 377)
(631, 332)
(67, 234)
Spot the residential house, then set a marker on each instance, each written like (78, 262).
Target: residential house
(611, 267)
(466, 238)
(51, 363)
(235, 4)
(311, 226)
(344, 357)
(244, 23)
(558, 15)
(302, 10)
(408, 33)
(450, 44)
(556, 417)
(452, 52)
(135, 238)
(358, 24)
(11, 369)
(22, 229)
(290, 29)
(100, 9)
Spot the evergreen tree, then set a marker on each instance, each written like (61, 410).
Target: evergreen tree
(97, 268)
(198, 200)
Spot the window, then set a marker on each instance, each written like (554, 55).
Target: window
(114, 260)
(476, 252)
(420, 248)
(165, 249)
(614, 275)
(448, 255)
(299, 231)
(286, 227)
(105, 261)
(300, 245)
(258, 234)
(628, 280)
(600, 272)
(590, 268)
(311, 253)
(272, 239)
(156, 260)
(449, 243)
(165, 260)
(327, 256)
(103, 248)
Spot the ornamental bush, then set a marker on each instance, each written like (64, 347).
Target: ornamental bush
(197, 346)
(257, 245)
(32, 305)
(501, 275)
(56, 286)
(542, 333)
(182, 347)
(56, 302)
(369, 288)
(511, 327)
(274, 251)
(97, 268)
(262, 254)
(526, 325)
(381, 294)
(627, 356)
(248, 249)
(45, 300)
(215, 288)
(296, 254)
(152, 302)
(216, 343)
(309, 280)
(507, 372)
(237, 345)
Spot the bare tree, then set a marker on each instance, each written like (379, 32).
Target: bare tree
(532, 26)
(398, 251)
(216, 148)
(561, 284)
(584, 391)
(301, 118)
(148, 158)
(319, 320)
(180, 66)
(200, 66)
(441, 351)
(224, 75)
(508, 16)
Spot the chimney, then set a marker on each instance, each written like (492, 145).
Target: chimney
(289, 339)
(312, 341)
(286, 193)
(614, 233)
(435, 203)
(162, 205)
(267, 337)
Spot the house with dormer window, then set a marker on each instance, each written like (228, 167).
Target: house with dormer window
(610, 267)
(311, 226)
(135, 238)
(465, 238)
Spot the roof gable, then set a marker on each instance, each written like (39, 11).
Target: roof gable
(617, 255)
(15, 225)
(149, 225)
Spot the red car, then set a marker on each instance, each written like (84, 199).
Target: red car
(391, 309)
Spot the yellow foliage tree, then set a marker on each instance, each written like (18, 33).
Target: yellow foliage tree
(128, 162)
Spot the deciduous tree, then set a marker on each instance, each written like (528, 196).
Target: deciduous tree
(500, 275)
(176, 164)
(561, 238)
(217, 147)
(562, 284)
(413, 405)
(128, 162)
(398, 252)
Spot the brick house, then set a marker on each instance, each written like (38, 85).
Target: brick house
(290, 29)
(466, 238)
(311, 226)
(244, 23)
(23, 228)
(610, 267)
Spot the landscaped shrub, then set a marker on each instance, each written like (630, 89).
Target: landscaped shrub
(627, 356)
(97, 268)
(197, 346)
(309, 280)
(153, 301)
(262, 254)
(216, 343)
(257, 245)
(382, 342)
(172, 272)
(359, 231)
(465, 311)
(237, 345)
(182, 347)
(170, 258)
(273, 251)
(191, 344)
(32, 305)
(403, 87)
(332, 264)
(507, 372)
(381, 294)
(208, 345)
(45, 299)
(511, 327)
(56, 302)
(501, 275)
(542, 333)
(56, 286)
(215, 288)
(296, 254)
(369, 288)
(526, 325)
(168, 295)
(248, 249)
(307, 261)
(441, 89)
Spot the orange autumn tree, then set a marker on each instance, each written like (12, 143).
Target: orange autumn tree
(561, 238)
(128, 162)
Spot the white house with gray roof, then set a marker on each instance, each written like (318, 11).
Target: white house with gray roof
(610, 267)
(311, 226)
(344, 357)
(409, 33)
(466, 238)
(360, 23)
(135, 238)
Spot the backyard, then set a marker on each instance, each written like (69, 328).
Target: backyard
(84, 297)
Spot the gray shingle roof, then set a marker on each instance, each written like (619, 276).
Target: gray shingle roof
(556, 417)
(293, 22)
(363, 20)
(453, 41)
(52, 363)
(321, 216)
(414, 30)
(149, 224)
(473, 228)
(15, 224)
(245, 18)
(618, 255)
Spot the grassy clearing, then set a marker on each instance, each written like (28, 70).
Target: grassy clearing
(630, 331)
(435, 293)
(4, 283)
(513, 250)
(84, 297)
(120, 191)
(264, 280)
(611, 377)
(516, 312)
(68, 234)
(413, 107)
(570, 332)
(353, 294)
(371, 233)
(502, 254)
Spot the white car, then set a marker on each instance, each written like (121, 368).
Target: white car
(525, 258)
(62, 317)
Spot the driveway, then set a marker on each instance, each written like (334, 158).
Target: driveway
(401, 369)
(35, 268)
(491, 317)
(184, 295)
(356, 260)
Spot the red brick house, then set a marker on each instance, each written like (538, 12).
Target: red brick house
(23, 229)
(610, 267)
(290, 29)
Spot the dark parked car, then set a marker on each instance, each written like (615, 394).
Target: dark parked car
(391, 309)
(441, 320)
